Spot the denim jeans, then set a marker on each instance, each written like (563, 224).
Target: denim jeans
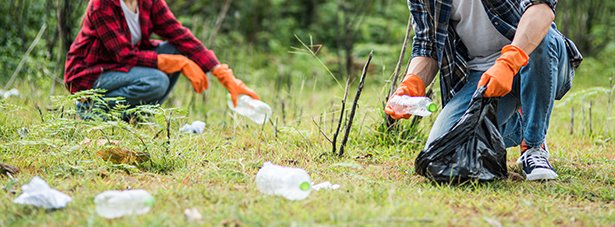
(139, 86)
(535, 89)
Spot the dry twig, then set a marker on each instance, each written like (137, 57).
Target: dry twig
(355, 104)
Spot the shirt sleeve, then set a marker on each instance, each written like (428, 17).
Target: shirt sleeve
(168, 27)
(525, 4)
(423, 43)
(107, 27)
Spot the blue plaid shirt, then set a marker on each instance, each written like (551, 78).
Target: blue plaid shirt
(436, 39)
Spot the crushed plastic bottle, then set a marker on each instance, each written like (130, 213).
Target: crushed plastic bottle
(290, 183)
(114, 204)
(419, 106)
(9, 93)
(196, 127)
(38, 193)
(325, 186)
(256, 110)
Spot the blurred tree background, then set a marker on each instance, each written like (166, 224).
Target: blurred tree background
(340, 30)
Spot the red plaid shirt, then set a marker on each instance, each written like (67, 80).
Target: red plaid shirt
(103, 44)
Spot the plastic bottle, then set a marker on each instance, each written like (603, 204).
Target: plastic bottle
(419, 106)
(256, 110)
(291, 183)
(114, 204)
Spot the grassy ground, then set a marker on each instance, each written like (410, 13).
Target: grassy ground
(214, 172)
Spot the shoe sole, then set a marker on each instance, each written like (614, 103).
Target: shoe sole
(541, 174)
(538, 174)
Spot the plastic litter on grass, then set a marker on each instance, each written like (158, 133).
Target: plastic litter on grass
(325, 186)
(38, 193)
(9, 93)
(290, 183)
(115, 204)
(196, 127)
(193, 215)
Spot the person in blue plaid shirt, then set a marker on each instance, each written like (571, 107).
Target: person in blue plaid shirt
(510, 46)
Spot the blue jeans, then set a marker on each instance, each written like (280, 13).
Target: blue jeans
(140, 85)
(535, 88)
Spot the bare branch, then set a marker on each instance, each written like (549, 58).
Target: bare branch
(341, 119)
(355, 104)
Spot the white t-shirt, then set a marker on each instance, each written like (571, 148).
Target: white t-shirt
(483, 41)
(132, 19)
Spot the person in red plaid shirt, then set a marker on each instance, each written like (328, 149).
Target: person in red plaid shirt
(113, 51)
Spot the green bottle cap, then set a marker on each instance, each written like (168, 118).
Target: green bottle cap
(150, 202)
(432, 107)
(305, 186)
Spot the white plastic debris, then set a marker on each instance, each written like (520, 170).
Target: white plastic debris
(196, 127)
(326, 186)
(290, 183)
(37, 193)
(9, 93)
(193, 215)
(114, 204)
(258, 111)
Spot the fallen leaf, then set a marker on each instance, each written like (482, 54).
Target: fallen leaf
(122, 156)
(8, 169)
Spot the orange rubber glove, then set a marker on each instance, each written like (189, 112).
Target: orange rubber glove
(234, 86)
(171, 63)
(412, 85)
(499, 78)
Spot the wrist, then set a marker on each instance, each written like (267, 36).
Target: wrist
(220, 70)
(215, 67)
(514, 57)
(412, 85)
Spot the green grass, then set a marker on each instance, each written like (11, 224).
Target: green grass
(214, 172)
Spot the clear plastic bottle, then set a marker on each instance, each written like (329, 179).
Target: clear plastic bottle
(114, 204)
(419, 106)
(291, 183)
(256, 110)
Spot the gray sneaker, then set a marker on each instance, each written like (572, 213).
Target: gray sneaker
(535, 164)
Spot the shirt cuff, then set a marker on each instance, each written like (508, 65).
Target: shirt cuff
(419, 52)
(210, 60)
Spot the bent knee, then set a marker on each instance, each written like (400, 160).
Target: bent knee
(156, 84)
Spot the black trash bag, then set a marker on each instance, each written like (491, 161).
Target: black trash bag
(472, 150)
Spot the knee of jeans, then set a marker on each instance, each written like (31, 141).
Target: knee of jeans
(547, 44)
(156, 85)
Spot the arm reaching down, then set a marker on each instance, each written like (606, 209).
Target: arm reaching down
(422, 71)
